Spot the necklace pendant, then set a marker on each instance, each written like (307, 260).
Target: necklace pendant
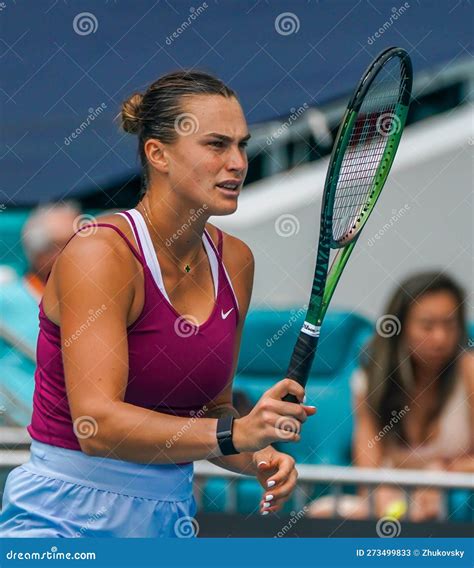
(187, 268)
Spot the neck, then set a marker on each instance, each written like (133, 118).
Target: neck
(425, 375)
(176, 229)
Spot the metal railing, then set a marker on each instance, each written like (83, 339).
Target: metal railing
(338, 476)
(14, 444)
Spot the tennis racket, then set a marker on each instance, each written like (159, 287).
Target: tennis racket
(363, 153)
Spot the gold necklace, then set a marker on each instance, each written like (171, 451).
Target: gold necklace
(187, 268)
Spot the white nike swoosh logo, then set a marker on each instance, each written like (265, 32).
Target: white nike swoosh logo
(224, 315)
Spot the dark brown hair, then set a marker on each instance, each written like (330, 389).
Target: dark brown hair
(388, 364)
(154, 113)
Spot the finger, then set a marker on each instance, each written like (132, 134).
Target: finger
(292, 409)
(264, 471)
(273, 506)
(310, 410)
(282, 491)
(284, 387)
(283, 473)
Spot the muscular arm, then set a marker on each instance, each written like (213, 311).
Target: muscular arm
(95, 275)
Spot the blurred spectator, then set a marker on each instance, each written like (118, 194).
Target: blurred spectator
(413, 397)
(43, 236)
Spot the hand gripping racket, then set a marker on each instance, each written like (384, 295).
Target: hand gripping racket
(361, 159)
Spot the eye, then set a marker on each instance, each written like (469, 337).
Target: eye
(217, 144)
(244, 144)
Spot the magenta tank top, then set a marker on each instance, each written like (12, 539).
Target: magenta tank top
(175, 367)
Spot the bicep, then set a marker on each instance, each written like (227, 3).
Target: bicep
(93, 302)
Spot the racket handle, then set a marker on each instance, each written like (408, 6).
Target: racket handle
(301, 361)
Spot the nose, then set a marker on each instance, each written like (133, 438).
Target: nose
(237, 161)
(439, 335)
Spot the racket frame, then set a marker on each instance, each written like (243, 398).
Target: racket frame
(325, 279)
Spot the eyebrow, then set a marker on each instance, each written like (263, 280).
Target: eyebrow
(227, 138)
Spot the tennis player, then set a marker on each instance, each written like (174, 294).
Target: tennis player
(140, 328)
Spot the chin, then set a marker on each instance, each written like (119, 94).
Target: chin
(224, 209)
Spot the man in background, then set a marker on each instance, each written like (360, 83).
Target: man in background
(44, 234)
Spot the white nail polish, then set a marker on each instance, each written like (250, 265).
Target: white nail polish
(260, 463)
(266, 505)
(305, 398)
(268, 497)
(264, 512)
(270, 483)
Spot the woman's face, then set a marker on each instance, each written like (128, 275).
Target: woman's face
(210, 150)
(432, 328)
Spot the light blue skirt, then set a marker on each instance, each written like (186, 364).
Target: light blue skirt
(66, 493)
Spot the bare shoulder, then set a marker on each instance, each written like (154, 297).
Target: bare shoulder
(466, 367)
(99, 246)
(236, 252)
(96, 254)
(239, 263)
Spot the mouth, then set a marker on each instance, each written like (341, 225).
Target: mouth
(230, 187)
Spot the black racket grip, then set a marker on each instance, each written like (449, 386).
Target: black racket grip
(301, 361)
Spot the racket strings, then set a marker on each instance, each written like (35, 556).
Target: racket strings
(376, 121)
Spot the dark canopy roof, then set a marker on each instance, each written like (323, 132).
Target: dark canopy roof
(60, 76)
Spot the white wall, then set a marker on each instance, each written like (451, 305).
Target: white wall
(426, 207)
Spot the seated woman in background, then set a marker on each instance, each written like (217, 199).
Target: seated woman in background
(413, 398)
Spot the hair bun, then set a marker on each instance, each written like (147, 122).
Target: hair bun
(130, 116)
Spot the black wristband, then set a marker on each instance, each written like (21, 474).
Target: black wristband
(224, 435)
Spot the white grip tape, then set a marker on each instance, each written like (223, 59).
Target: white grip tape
(311, 329)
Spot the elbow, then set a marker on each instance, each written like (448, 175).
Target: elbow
(90, 435)
(92, 446)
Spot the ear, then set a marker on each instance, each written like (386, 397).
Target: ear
(155, 152)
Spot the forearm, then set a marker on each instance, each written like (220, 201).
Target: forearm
(245, 463)
(238, 463)
(462, 464)
(131, 433)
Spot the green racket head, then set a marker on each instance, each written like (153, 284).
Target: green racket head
(366, 145)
